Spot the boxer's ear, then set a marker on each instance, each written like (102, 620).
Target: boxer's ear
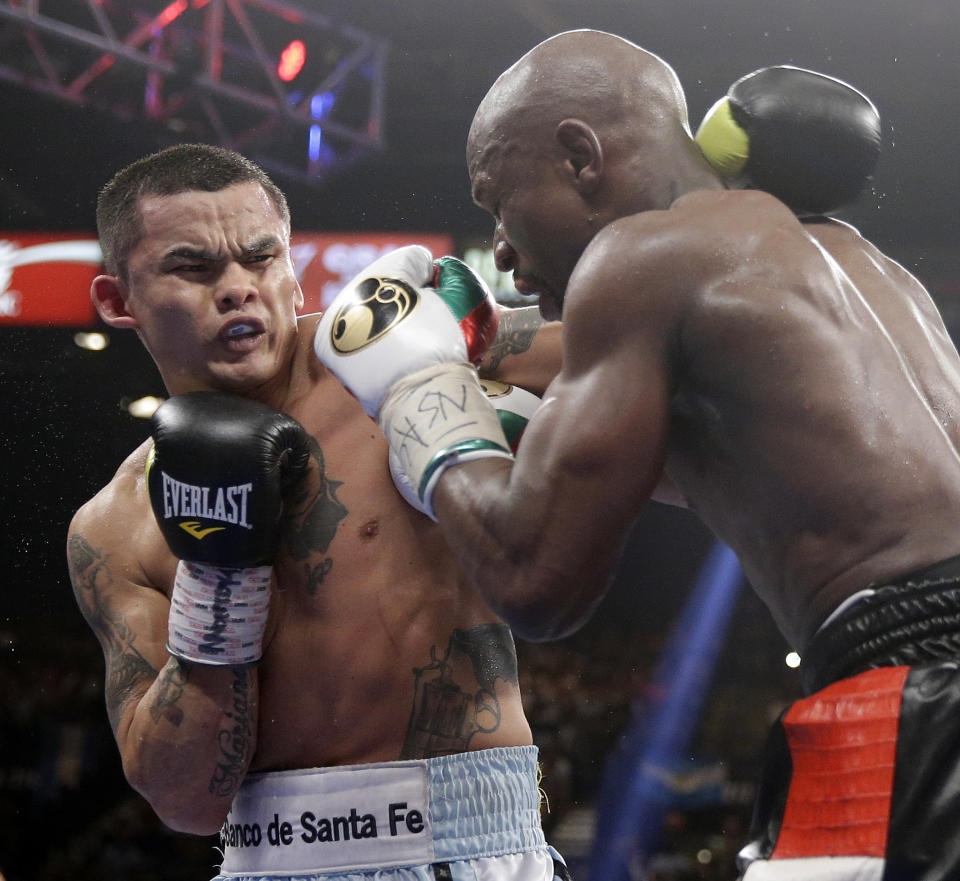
(109, 297)
(584, 154)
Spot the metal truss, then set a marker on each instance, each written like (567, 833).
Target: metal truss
(206, 70)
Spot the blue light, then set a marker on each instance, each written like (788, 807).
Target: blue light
(315, 143)
(321, 104)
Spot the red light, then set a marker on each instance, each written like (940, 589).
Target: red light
(291, 60)
(173, 11)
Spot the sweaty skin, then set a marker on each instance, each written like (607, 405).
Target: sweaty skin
(369, 607)
(796, 386)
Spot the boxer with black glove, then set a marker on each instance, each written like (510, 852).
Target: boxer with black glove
(216, 475)
(364, 595)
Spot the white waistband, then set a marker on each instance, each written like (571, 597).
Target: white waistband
(389, 814)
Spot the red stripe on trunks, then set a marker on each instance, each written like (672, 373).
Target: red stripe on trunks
(843, 742)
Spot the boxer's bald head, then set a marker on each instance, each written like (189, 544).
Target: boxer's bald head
(626, 94)
(584, 129)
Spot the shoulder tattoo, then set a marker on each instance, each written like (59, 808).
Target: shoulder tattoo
(127, 669)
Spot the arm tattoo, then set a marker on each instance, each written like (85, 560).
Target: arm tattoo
(311, 521)
(127, 669)
(445, 714)
(170, 685)
(235, 738)
(514, 336)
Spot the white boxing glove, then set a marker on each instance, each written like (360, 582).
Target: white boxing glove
(402, 337)
(379, 327)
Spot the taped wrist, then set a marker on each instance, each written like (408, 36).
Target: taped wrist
(218, 615)
(436, 418)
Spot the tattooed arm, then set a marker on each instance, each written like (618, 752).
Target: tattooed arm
(526, 351)
(186, 732)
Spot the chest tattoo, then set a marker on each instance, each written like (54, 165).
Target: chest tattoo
(313, 513)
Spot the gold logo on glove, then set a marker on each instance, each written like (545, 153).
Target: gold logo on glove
(380, 305)
(493, 388)
(194, 528)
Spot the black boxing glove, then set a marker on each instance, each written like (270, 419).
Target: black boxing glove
(808, 139)
(216, 476)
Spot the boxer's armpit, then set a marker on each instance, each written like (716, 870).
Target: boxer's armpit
(127, 671)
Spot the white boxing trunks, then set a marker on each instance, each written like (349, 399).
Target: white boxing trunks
(467, 817)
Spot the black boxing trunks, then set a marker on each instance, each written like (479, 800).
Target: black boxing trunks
(861, 780)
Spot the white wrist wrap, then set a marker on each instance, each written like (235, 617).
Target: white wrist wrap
(436, 418)
(217, 615)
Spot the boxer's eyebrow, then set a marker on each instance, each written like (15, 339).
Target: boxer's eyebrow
(188, 252)
(263, 244)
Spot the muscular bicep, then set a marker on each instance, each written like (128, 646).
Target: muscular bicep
(129, 619)
(600, 446)
(542, 539)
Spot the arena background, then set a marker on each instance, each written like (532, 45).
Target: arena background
(65, 812)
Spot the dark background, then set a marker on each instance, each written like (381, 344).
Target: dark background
(64, 429)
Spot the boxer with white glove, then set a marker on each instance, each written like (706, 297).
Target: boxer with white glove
(403, 337)
(216, 476)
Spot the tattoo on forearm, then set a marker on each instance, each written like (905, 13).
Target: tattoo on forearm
(514, 337)
(127, 669)
(235, 738)
(447, 712)
(312, 518)
(170, 686)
